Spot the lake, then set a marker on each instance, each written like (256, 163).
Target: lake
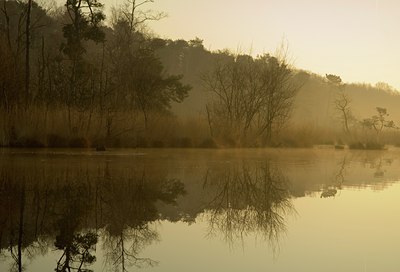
(316, 209)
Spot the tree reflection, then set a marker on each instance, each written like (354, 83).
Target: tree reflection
(77, 245)
(13, 203)
(69, 209)
(123, 249)
(373, 164)
(77, 248)
(70, 206)
(338, 180)
(131, 210)
(249, 200)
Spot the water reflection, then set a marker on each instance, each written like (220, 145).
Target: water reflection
(130, 206)
(69, 209)
(82, 208)
(330, 190)
(248, 199)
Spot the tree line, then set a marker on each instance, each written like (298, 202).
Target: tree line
(68, 73)
(69, 77)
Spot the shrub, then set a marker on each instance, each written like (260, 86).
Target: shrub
(28, 142)
(33, 143)
(374, 146)
(230, 142)
(157, 144)
(54, 140)
(116, 142)
(100, 148)
(208, 143)
(356, 145)
(367, 146)
(184, 142)
(293, 142)
(78, 142)
(141, 142)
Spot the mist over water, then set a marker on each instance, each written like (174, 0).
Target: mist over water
(199, 209)
(125, 147)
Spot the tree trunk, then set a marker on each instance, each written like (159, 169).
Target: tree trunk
(21, 227)
(27, 53)
(209, 122)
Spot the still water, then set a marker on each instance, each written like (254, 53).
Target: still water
(200, 210)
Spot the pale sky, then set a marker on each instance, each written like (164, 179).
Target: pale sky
(356, 39)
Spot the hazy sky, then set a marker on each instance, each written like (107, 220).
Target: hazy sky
(356, 39)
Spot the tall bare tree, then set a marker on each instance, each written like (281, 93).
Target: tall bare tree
(27, 51)
(342, 101)
(250, 95)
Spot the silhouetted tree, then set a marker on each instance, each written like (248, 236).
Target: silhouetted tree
(250, 94)
(139, 80)
(342, 101)
(85, 17)
(378, 122)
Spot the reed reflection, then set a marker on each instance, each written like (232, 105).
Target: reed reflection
(249, 199)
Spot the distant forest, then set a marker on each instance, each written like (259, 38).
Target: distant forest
(69, 78)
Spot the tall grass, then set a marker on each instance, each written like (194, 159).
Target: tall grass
(38, 127)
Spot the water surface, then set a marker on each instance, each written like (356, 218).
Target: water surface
(200, 210)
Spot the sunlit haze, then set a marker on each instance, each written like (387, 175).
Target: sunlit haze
(357, 39)
(183, 135)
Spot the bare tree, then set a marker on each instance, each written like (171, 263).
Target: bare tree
(136, 16)
(278, 89)
(27, 51)
(232, 95)
(342, 101)
(250, 95)
(342, 104)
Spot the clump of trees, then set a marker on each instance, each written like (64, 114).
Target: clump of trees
(377, 123)
(69, 79)
(251, 98)
(69, 75)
